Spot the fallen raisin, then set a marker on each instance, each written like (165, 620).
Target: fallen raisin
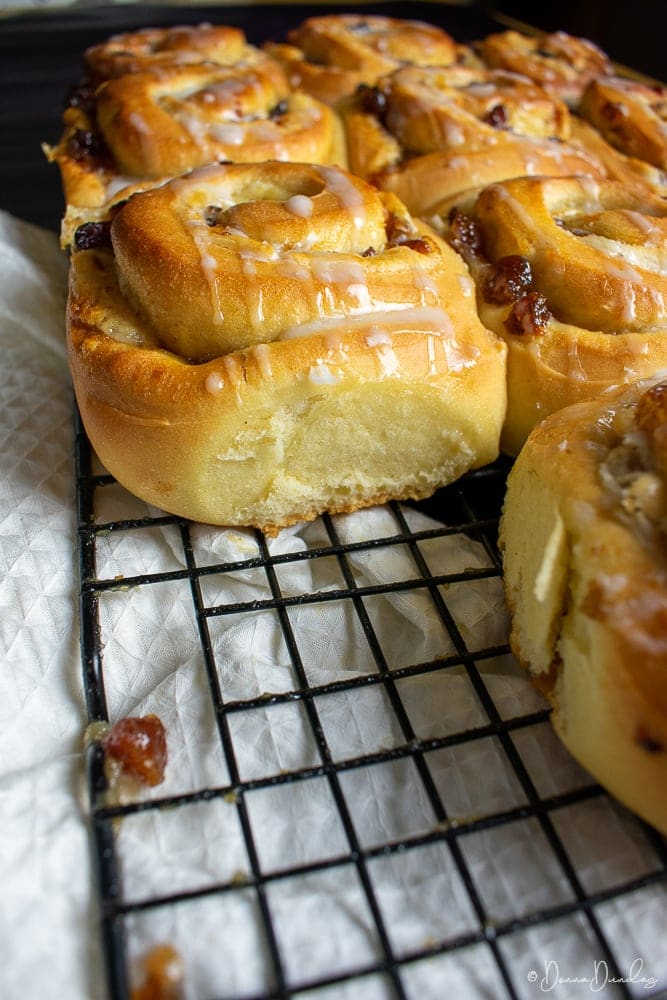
(162, 975)
(507, 280)
(465, 236)
(92, 236)
(139, 745)
(497, 116)
(529, 315)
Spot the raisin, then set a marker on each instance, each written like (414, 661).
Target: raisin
(162, 975)
(372, 100)
(139, 745)
(419, 244)
(398, 229)
(85, 144)
(465, 236)
(612, 112)
(529, 315)
(369, 252)
(92, 235)
(81, 95)
(401, 233)
(497, 116)
(507, 280)
(278, 110)
(212, 214)
(648, 742)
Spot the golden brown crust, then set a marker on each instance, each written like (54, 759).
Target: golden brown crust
(430, 134)
(634, 174)
(159, 124)
(586, 582)
(432, 184)
(146, 48)
(563, 64)
(593, 312)
(631, 116)
(146, 127)
(331, 55)
(362, 399)
(454, 108)
(269, 247)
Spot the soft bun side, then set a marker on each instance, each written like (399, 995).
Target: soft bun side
(585, 573)
(349, 408)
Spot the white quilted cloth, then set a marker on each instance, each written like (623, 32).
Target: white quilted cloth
(44, 868)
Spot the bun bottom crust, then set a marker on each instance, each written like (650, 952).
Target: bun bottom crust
(587, 592)
(280, 432)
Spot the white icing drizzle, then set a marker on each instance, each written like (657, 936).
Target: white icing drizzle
(454, 134)
(201, 239)
(425, 284)
(321, 374)
(234, 371)
(377, 336)
(262, 354)
(432, 366)
(289, 267)
(576, 370)
(215, 383)
(139, 124)
(229, 133)
(330, 269)
(654, 233)
(347, 193)
(387, 358)
(300, 205)
(427, 319)
(458, 357)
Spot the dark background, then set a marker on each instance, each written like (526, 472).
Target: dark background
(40, 58)
(632, 32)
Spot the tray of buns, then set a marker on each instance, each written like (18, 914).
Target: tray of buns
(365, 328)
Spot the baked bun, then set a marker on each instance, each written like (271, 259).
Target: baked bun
(149, 126)
(331, 55)
(563, 64)
(160, 124)
(432, 134)
(635, 174)
(261, 343)
(632, 117)
(420, 110)
(432, 184)
(583, 534)
(157, 48)
(571, 272)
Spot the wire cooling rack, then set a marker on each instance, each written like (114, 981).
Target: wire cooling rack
(471, 857)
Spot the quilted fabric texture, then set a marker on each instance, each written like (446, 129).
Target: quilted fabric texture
(44, 867)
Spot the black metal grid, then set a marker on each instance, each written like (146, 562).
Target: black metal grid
(501, 941)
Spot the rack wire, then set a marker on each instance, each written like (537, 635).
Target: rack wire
(604, 868)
